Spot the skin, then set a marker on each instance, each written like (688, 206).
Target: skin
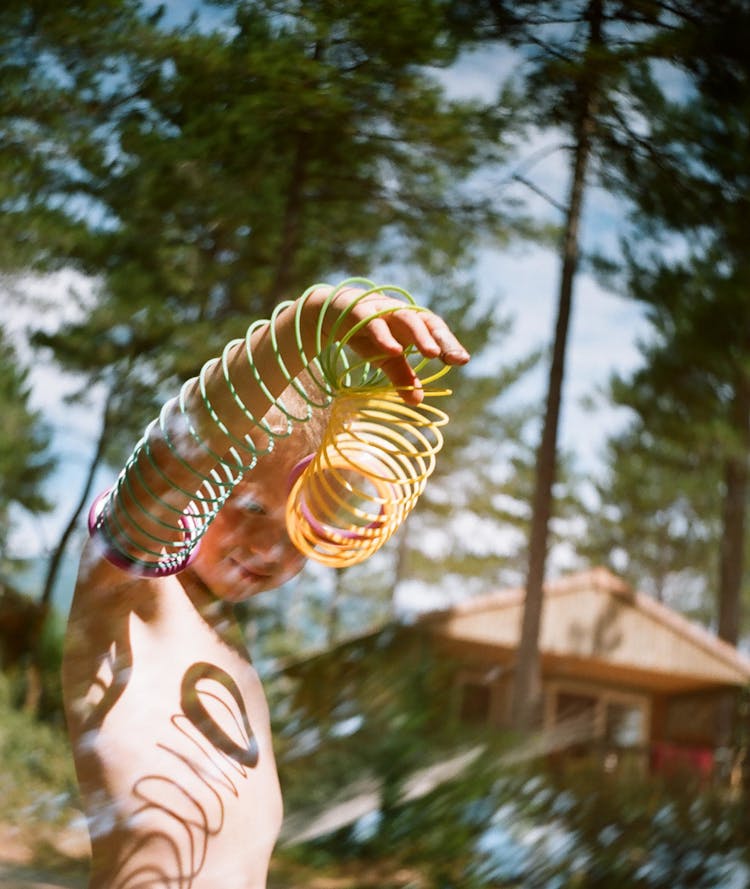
(167, 718)
(168, 800)
(247, 550)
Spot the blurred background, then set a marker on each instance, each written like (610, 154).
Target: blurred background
(544, 679)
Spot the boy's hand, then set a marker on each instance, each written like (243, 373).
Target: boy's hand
(391, 333)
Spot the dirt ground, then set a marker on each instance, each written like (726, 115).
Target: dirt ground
(44, 858)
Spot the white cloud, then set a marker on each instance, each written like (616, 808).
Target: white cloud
(44, 302)
(478, 73)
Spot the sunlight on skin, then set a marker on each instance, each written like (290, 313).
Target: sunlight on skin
(247, 550)
(167, 717)
(191, 797)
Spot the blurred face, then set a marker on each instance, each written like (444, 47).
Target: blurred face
(246, 550)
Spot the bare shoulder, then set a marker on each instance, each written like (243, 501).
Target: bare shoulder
(104, 592)
(97, 626)
(95, 572)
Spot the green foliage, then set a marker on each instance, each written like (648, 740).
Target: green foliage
(371, 713)
(685, 261)
(602, 831)
(254, 159)
(695, 364)
(656, 518)
(49, 662)
(376, 707)
(24, 442)
(55, 65)
(202, 173)
(37, 780)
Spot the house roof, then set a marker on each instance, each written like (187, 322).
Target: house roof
(594, 625)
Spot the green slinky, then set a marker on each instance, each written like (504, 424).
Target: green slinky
(333, 372)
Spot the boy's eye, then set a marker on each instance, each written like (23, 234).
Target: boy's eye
(249, 505)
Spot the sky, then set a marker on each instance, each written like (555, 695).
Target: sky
(605, 328)
(521, 279)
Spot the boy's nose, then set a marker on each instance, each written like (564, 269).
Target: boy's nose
(270, 555)
(273, 546)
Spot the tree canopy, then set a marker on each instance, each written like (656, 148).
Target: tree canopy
(198, 172)
(25, 462)
(213, 170)
(686, 263)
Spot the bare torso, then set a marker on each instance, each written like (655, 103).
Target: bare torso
(171, 737)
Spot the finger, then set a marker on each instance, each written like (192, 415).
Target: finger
(429, 334)
(451, 351)
(402, 375)
(378, 338)
(377, 343)
(410, 329)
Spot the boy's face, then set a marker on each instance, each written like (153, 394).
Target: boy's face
(246, 550)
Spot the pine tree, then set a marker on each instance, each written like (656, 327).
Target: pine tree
(238, 165)
(56, 65)
(692, 392)
(655, 520)
(574, 55)
(687, 263)
(24, 442)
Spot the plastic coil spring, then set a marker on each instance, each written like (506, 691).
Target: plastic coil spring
(348, 499)
(365, 478)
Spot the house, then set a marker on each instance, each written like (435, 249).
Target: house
(622, 674)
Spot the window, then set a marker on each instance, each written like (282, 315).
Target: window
(623, 725)
(594, 713)
(574, 706)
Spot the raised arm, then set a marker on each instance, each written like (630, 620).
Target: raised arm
(188, 460)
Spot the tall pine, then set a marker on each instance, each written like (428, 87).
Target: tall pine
(239, 164)
(573, 57)
(688, 265)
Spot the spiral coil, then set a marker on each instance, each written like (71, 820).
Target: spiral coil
(366, 477)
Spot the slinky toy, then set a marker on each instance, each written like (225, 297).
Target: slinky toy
(365, 478)
(345, 501)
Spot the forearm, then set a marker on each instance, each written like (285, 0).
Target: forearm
(207, 436)
(234, 393)
(188, 461)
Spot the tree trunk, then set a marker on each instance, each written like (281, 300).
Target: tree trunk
(526, 700)
(290, 231)
(732, 549)
(400, 567)
(731, 569)
(732, 553)
(334, 604)
(55, 562)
